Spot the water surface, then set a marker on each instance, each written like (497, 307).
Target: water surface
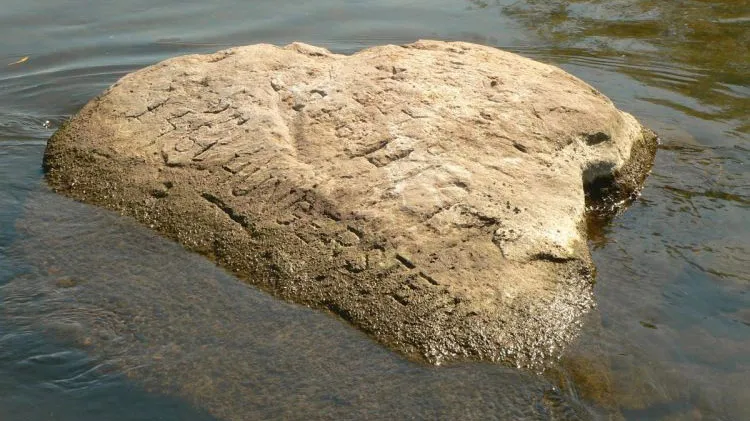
(101, 319)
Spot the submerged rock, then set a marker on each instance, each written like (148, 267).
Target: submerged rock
(431, 194)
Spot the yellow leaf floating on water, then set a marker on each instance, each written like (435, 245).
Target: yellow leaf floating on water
(19, 61)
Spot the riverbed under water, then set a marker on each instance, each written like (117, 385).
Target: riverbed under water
(102, 319)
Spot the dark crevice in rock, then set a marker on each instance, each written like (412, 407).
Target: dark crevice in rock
(596, 138)
(604, 198)
(182, 114)
(609, 192)
(166, 132)
(301, 238)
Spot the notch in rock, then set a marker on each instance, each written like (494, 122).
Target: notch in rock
(604, 198)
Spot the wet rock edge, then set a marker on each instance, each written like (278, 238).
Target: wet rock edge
(90, 177)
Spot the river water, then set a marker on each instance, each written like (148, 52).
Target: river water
(102, 319)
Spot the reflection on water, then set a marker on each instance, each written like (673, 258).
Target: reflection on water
(698, 49)
(95, 309)
(674, 283)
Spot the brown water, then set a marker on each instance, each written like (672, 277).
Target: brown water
(100, 319)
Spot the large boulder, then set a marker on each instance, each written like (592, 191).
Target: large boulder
(431, 194)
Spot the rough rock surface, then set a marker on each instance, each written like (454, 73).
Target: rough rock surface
(431, 194)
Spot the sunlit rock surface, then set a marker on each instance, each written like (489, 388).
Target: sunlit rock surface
(431, 194)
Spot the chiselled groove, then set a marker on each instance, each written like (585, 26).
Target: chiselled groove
(221, 57)
(374, 148)
(165, 133)
(414, 173)
(399, 299)
(301, 239)
(429, 278)
(549, 257)
(235, 170)
(461, 185)
(520, 147)
(234, 216)
(203, 150)
(171, 123)
(202, 124)
(405, 261)
(382, 161)
(483, 220)
(183, 114)
(335, 308)
(332, 214)
(356, 231)
(157, 105)
(218, 110)
(536, 113)
(149, 109)
(214, 123)
(411, 114)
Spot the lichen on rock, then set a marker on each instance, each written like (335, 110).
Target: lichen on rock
(431, 194)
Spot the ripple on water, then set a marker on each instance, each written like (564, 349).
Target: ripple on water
(175, 323)
(670, 339)
(669, 336)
